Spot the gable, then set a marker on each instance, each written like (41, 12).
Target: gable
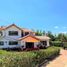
(13, 26)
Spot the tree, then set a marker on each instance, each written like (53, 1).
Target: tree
(62, 37)
(49, 34)
(38, 33)
(43, 33)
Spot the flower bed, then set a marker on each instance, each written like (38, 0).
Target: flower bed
(27, 59)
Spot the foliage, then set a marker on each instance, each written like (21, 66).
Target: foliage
(56, 43)
(51, 35)
(65, 44)
(62, 37)
(26, 59)
(40, 33)
(54, 37)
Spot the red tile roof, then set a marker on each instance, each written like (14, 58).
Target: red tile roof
(2, 28)
(22, 29)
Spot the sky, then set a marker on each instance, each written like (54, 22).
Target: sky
(48, 15)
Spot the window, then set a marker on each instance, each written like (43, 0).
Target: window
(1, 43)
(26, 33)
(13, 33)
(13, 43)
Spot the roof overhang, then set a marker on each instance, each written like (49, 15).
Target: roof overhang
(43, 38)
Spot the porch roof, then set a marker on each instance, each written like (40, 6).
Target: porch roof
(29, 38)
(43, 37)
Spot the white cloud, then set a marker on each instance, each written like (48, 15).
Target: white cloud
(56, 27)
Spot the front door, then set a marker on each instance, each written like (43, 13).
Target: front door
(29, 45)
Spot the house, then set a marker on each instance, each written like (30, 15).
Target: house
(13, 36)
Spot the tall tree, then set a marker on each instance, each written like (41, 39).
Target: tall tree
(43, 33)
(51, 35)
(38, 33)
(62, 37)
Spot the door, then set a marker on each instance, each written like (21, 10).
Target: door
(29, 45)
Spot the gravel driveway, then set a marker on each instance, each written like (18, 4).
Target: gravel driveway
(60, 61)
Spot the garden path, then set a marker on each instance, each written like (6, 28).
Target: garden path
(60, 61)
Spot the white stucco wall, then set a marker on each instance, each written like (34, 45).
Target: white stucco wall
(48, 43)
(6, 43)
(35, 44)
(13, 28)
(22, 43)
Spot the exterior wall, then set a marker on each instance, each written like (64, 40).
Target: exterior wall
(22, 43)
(32, 33)
(6, 43)
(3, 33)
(35, 44)
(13, 28)
(48, 43)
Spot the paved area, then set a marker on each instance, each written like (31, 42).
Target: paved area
(60, 61)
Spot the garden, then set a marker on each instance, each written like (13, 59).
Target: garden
(27, 58)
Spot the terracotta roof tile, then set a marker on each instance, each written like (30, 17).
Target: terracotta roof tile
(29, 38)
(2, 28)
(26, 30)
(22, 29)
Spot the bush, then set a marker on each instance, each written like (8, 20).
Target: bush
(56, 43)
(48, 53)
(65, 45)
(27, 59)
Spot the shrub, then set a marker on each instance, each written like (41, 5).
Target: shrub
(56, 43)
(65, 45)
(27, 59)
(48, 53)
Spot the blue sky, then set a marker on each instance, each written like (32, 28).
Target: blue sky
(49, 15)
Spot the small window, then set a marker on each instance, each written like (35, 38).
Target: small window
(1, 43)
(13, 33)
(13, 43)
(26, 33)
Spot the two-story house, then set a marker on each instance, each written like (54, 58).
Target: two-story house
(13, 36)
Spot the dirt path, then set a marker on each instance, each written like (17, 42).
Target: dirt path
(60, 61)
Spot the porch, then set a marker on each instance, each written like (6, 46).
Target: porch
(29, 42)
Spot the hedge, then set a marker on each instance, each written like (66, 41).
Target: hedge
(56, 43)
(59, 44)
(27, 59)
(64, 44)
